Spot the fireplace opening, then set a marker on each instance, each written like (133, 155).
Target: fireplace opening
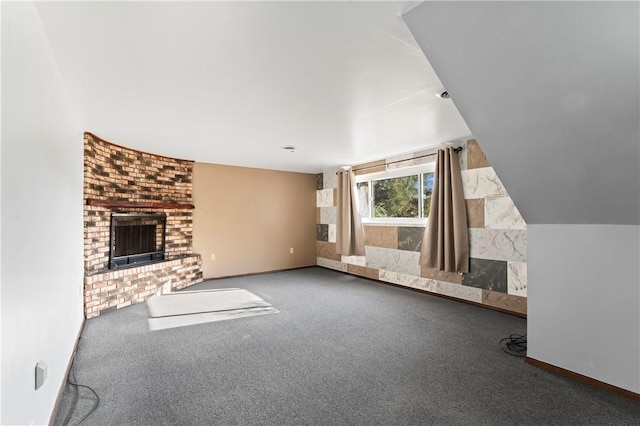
(136, 238)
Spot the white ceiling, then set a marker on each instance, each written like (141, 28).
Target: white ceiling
(232, 82)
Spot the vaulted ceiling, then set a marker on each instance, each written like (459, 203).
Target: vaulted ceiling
(551, 90)
(233, 82)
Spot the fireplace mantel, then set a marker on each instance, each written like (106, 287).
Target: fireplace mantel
(138, 204)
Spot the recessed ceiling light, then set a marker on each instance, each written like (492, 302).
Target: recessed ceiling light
(289, 148)
(443, 95)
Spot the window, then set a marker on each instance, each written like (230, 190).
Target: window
(397, 196)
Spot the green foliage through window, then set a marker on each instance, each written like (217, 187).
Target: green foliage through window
(396, 197)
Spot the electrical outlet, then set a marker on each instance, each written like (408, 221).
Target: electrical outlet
(291, 250)
(213, 256)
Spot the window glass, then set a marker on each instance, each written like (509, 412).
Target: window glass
(427, 185)
(363, 199)
(396, 197)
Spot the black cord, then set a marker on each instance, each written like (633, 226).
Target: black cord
(77, 387)
(515, 345)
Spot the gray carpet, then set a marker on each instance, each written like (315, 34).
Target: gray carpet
(342, 351)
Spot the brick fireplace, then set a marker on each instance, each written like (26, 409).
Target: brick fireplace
(152, 197)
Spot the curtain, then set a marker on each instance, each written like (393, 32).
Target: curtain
(446, 241)
(349, 232)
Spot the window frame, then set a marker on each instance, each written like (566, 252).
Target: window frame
(419, 170)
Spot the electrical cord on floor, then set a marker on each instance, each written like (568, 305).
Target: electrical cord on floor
(515, 345)
(77, 387)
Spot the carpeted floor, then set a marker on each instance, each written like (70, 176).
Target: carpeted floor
(341, 351)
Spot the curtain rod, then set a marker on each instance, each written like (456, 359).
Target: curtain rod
(457, 149)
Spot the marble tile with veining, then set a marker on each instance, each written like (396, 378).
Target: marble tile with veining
(332, 233)
(319, 181)
(475, 156)
(410, 237)
(330, 179)
(498, 244)
(502, 213)
(472, 294)
(381, 236)
(408, 280)
(481, 183)
(322, 232)
(393, 260)
(517, 278)
(327, 215)
(486, 274)
(363, 271)
(354, 260)
(332, 264)
(324, 198)
(462, 157)
(475, 212)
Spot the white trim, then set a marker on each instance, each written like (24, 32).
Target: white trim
(401, 172)
(396, 221)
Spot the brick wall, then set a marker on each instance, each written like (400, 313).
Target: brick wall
(116, 174)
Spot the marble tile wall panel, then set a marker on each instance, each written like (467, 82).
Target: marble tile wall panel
(381, 236)
(459, 291)
(332, 264)
(363, 271)
(327, 215)
(501, 213)
(322, 232)
(517, 278)
(354, 260)
(498, 244)
(327, 250)
(481, 183)
(319, 181)
(462, 157)
(332, 233)
(450, 277)
(475, 156)
(324, 198)
(410, 237)
(475, 212)
(408, 280)
(487, 274)
(393, 260)
(330, 179)
(504, 301)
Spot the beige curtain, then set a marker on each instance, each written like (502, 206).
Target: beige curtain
(349, 233)
(446, 241)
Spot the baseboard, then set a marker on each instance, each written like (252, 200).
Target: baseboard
(583, 379)
(273, 271)
(443, 296)
(56, 406)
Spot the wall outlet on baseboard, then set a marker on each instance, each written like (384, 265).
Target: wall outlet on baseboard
(213, 256)
(291, 250)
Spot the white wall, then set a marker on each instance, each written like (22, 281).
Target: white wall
(551, 92)
(584, 300)
(41, 219)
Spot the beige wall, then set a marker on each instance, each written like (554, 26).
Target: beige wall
(250, 218)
